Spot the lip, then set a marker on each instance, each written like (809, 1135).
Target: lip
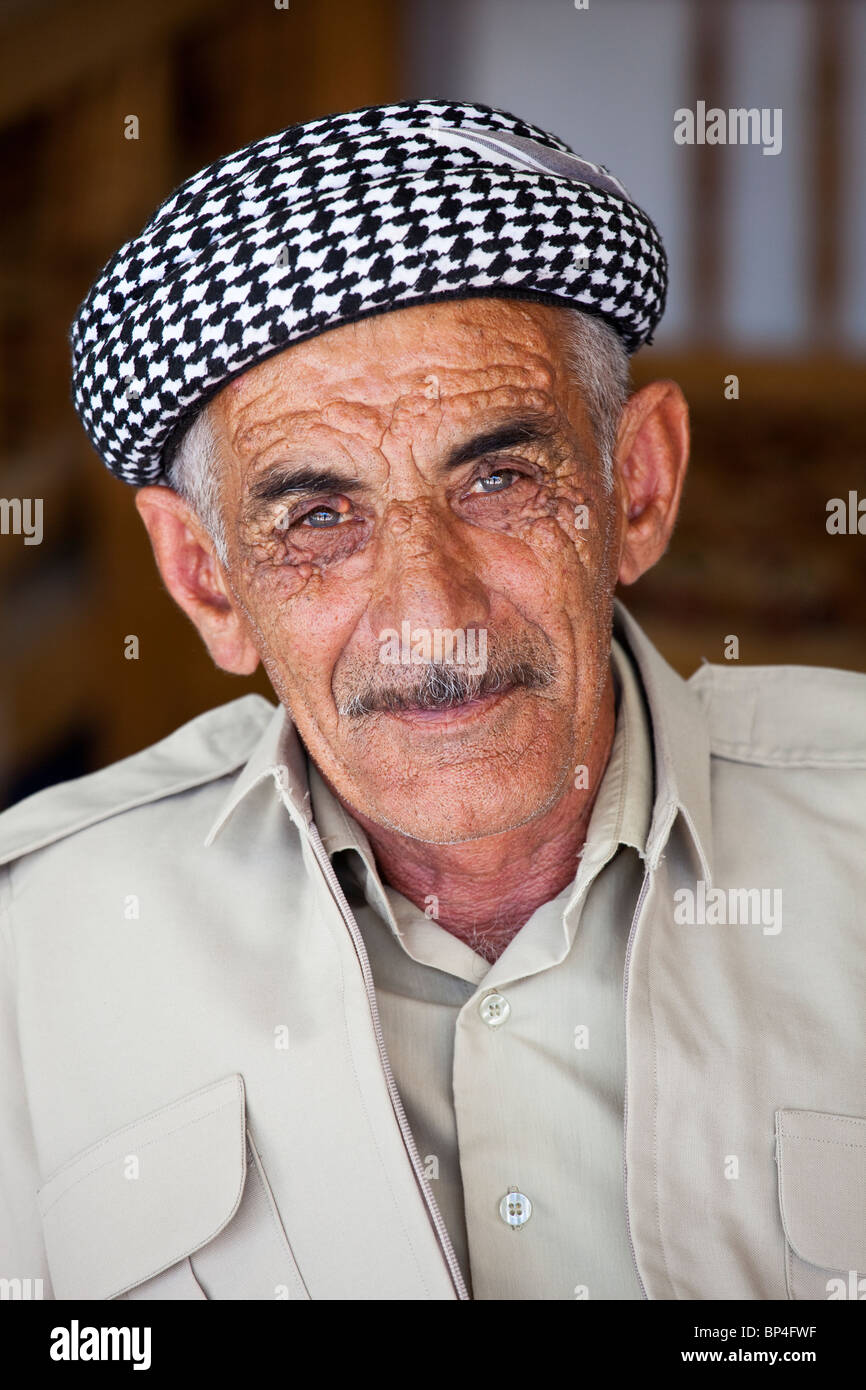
(457, 716)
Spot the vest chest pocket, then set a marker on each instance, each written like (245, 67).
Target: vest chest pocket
(175, 1205)
(821, 1160)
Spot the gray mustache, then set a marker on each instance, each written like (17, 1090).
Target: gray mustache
(440, 685)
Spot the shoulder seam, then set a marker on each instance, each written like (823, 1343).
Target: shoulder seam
(109, 812)
(256, 723)
(752, 710)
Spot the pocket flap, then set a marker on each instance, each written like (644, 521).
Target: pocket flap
(822, 1187)
(147, 1195)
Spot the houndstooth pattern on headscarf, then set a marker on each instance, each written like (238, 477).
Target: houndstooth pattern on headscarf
(334, 220)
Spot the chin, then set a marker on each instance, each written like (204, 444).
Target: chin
(432, 816)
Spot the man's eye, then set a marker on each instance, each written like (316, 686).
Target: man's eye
(496, 482)
(322, 517)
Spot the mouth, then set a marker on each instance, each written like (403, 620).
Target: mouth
(456, 715)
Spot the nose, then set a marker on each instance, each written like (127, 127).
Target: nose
(426, 573)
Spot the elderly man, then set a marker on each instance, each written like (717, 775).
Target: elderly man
(495, 961)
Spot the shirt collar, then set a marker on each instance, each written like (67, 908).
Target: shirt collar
(626, 792)
(681, 747)
(278, 760)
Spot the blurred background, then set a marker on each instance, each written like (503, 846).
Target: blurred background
(768, 284)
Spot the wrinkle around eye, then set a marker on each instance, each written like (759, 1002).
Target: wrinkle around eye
(524, 491)
(318, 545)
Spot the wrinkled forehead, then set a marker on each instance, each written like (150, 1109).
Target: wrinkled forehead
(457, 358)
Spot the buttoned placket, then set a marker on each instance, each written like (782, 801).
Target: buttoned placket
(483, 1031)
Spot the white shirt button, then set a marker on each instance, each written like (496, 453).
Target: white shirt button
(494, 1009)
(515, 1208)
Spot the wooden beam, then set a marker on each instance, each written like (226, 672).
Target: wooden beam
(709, 28)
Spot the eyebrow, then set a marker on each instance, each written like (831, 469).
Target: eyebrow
(527, 429)
(285, 481)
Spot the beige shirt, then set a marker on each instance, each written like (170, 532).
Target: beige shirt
(184, 992)
(535, 1101)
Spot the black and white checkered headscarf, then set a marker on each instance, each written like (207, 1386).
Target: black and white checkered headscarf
(332, 221)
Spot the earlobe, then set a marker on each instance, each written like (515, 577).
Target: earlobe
(192, 574)
(652, 457)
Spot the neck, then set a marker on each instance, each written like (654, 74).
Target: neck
(485, 890)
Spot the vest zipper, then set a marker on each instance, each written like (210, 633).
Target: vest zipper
(408, 1138)
(634, 921)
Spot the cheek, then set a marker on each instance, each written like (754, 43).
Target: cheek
(567, 535)
(302, 618)
(279, 602)
(555, 567)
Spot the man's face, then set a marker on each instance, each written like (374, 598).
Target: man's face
(427, 470)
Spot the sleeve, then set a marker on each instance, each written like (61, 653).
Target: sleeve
(23, 1265)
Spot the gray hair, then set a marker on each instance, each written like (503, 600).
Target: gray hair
(194, 473)
(594, 352)
(596, 355)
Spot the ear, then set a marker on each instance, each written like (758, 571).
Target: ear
(651, 458)
(195, 579)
